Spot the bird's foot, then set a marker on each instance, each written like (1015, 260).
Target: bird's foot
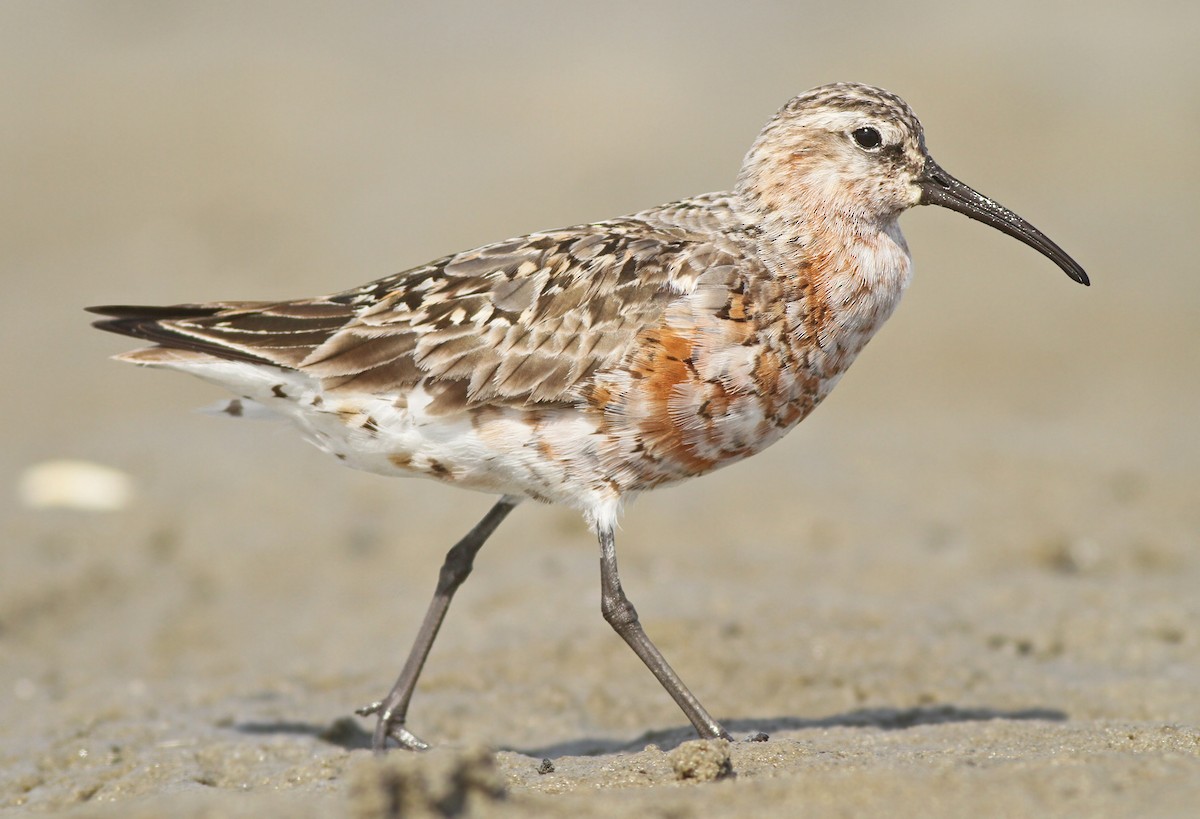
(390, 725)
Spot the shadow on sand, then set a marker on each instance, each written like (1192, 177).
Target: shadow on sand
(888, 719)
(348, 733)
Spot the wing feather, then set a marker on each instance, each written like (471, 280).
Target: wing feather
(526, 320)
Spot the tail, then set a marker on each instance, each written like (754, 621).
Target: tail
(177, 332)
(155, 324)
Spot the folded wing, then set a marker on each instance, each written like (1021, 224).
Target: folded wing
(524, 321)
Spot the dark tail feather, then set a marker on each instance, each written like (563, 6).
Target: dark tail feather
(174, 311)
(145, 322)
(142, 321)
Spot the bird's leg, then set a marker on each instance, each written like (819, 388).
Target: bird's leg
(622, 616)
(393, 709)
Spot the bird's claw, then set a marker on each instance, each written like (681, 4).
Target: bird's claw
(368, 710)
(405, 738)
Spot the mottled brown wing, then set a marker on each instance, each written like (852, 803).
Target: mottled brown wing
(522, 321)
(525, 321)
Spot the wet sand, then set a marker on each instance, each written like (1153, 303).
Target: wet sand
(965, 586)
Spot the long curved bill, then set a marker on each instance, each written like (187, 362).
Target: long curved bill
(940, 188)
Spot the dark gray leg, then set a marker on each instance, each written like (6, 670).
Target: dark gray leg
(622, 616)
(393, 709)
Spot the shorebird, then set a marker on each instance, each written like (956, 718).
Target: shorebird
(585, 365)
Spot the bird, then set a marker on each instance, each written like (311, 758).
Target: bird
(586, 365)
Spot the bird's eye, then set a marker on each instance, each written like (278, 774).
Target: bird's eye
(867, 138)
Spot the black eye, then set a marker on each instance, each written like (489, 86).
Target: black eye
(867, 138)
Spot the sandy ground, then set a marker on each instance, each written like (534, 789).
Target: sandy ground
(966, 586)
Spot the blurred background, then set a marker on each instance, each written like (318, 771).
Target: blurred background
(159, 152)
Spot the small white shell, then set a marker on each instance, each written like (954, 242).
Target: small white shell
(70, 484)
